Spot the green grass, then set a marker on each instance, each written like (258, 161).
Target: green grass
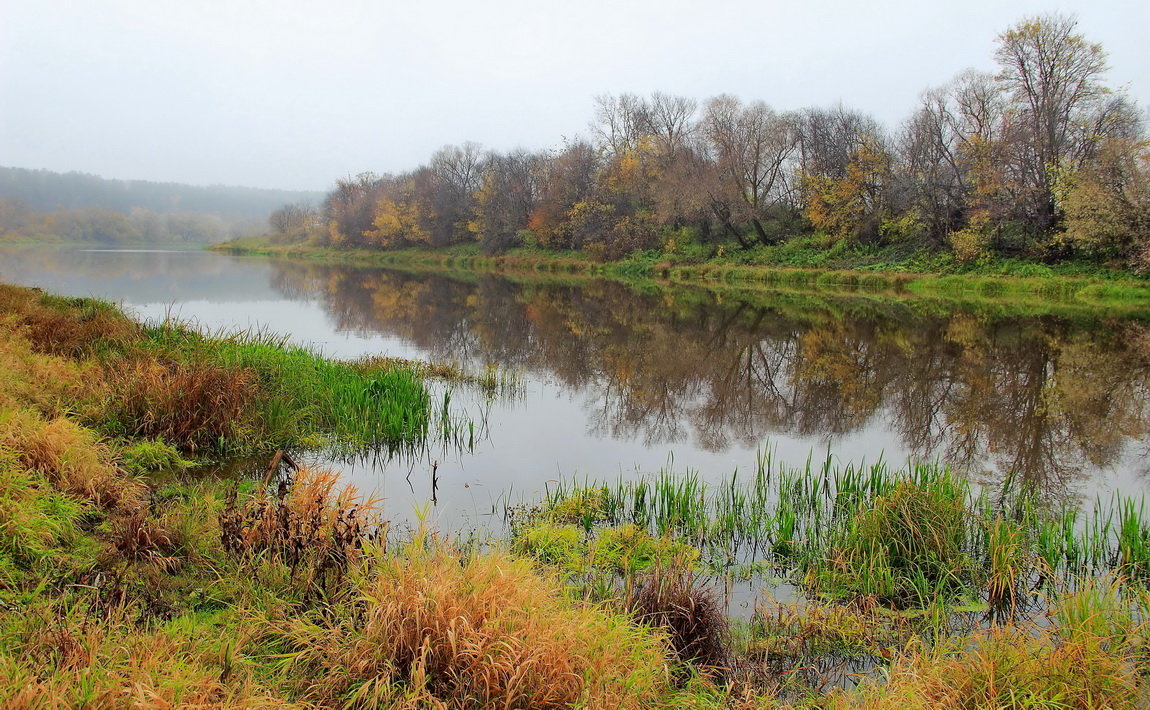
(812, 264)
(120, 587)
(916, 536)
(290, 396)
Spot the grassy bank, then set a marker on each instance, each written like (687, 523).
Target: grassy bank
(800, 265)
(128, 578)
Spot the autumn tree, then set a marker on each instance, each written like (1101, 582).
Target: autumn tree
(567, 179)
(750, 144)
(1052, 74)
(1106, 203)
(398, 219)
(349, 209)
(506, 199)
(855, 205)
(845, 172)
(684, 190)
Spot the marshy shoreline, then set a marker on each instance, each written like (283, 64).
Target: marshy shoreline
(130, 577)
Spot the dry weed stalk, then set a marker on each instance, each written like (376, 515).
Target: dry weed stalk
(308, 525)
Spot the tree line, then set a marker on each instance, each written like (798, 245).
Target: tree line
(1041, 159)
(100, 225)
(48, 191)
(41, 205)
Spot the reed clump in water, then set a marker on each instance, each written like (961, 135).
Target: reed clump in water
(908, 547)
(915, 537)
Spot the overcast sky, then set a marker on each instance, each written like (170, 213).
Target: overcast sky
(294, 94)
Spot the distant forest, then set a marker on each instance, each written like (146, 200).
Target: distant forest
(41, 205)
(1041, 160)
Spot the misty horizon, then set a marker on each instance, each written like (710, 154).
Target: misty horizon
(295, 97)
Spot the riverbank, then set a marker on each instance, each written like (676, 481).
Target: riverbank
(131, 574)
(1072, 285)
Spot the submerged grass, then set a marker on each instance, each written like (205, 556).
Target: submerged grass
(912, 537)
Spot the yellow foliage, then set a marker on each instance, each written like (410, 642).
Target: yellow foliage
(397, 224)
(840, 206)
(1107, 207)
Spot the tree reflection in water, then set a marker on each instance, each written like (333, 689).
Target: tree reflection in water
(1048, 398)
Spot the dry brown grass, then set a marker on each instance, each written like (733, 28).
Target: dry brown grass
(439, 630)
(27, 378)
(193, 405)
(59, 326)
(1005, 668)
(313, 524)
(83, 664)
(690, 612)
(138, 537)
(71, 457)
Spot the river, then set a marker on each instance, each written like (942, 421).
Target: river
(621, 381)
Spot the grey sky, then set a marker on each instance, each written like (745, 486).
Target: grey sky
(293, 94)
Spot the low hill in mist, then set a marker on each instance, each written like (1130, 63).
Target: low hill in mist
(47, 191)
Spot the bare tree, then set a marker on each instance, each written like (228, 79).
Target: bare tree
(509, 195)
(621, 122)
(293, 218)
(827, 138)
(1052, 73)
(670, 122)
(446, 191)
(461, 167)
(930, 171)
(751, 144)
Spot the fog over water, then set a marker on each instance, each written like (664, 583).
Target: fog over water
(296, 94)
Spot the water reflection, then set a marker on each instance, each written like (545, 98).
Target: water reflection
(1052, 399)
(619, 379)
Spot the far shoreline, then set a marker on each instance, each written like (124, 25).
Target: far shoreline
(1101, 290)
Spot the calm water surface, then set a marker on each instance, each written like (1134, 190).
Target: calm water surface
(619, 382)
